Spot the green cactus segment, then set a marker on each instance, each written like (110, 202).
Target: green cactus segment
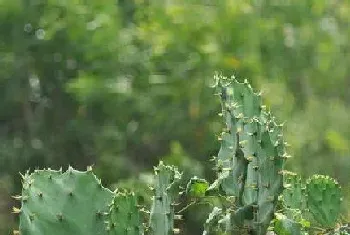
(249, 138)
(232, 166)
(323, 199)
(270, 183)
(252, 154)
(124, 216)
(294, 192)
(166, 189)
(57, 203)
(240, 108)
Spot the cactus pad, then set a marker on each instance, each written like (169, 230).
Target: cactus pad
(323, 199)
(57, 203)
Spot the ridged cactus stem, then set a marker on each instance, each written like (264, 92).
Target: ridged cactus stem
(166, 190)
(252, 154)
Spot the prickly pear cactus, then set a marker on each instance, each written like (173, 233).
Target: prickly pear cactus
(124, 216)
(166, 189)
(252, 154)
(57, 203)
(323, 199)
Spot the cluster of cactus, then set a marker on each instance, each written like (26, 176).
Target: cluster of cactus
(259, 195)
(75, 202)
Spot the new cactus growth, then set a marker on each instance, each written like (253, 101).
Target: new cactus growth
(166, 189)
(252, 154)
(57, 203)
(323, 199)
(124, 216)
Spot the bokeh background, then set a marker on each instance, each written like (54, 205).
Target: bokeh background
(121, 84)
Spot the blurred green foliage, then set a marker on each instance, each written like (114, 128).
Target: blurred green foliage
(119, 84)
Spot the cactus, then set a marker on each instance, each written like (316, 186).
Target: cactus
(166, 189)
(124, 216)
(323, 199)
(294, 192)
(250, 179)
(252, 154)
(318, 201)
(69, 203)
